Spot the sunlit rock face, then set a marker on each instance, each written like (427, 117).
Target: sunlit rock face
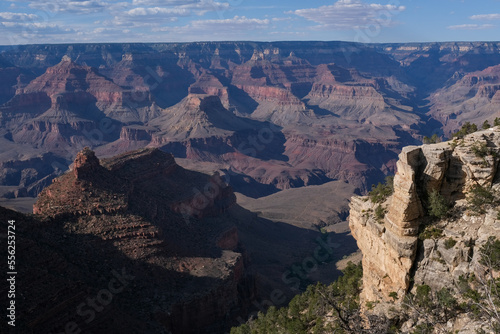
(389, 246)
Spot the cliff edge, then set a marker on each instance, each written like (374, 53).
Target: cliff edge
(404, 246)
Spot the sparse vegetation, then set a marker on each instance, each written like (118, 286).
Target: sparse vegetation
(381, 192)
(491, 253)
(423, 296)
(478, 197)
(432, 140)
(467, 128)
(486, 125)
(306, 312)
(449, 243)
(480, 150)
(482, 291)
(379, 213)
(335, 308)
(453, 143)
(496, 122)
(431, 309)
(437, 204)
(431, 232)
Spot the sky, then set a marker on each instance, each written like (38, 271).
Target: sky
(367, 21)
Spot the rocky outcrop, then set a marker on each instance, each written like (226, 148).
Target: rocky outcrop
(390, 245)
(86, 164)
(146, 208)
(389, 248)
(208, 84)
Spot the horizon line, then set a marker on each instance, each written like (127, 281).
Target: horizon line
(251, 41)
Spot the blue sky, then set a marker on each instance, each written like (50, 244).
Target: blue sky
(58, 21)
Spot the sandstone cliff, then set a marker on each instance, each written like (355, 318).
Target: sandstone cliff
(395, 259)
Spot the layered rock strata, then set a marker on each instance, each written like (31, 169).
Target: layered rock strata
(390, 245)
(166, 226)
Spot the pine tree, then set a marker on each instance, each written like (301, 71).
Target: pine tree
(437, 204)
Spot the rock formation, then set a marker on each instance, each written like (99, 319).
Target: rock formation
(140, 211)
(394, 259)
(471, 97)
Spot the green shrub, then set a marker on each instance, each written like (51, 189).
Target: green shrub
(478, 197)
(381, 192)
(490, 253)
(467, 128)
(482, 292)
(446, 302)
(379, 213)
(437, 204)
(449, 243)
(432, 140)
(423, 296)
(453, 144)
(486, 125)
(306, 312)
(496, 122)
(431, 232)
(423, 329)
(243, 329)
(480, 150)
(393, 295)
(446, 299)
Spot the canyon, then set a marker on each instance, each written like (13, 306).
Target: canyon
(190, 259)
(273, 115)
(212, 154)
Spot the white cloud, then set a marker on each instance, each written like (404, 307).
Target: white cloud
(8, 16)
(35, 28)
(156, 12)
(148, 17)
(168, 11)
(74, 7)
(199, 6)
(485, 17)
(471, 26)
(16, 33)
(204, 6)
(351, 14)
(223, 29)
(237, 23)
